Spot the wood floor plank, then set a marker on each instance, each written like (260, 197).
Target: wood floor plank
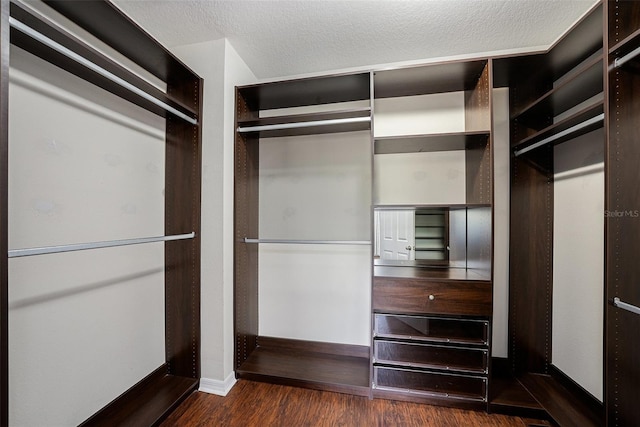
(260, 404)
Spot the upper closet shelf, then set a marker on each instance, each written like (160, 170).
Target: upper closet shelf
(428, 79)
(580, 123)
(584, 84)
(303, 92)
(308, 124)
(41, 37)
(428, 143)
(627, 50)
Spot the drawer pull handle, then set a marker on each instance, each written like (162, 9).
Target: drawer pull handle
(432, 297)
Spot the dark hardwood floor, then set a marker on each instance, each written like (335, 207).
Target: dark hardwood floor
(260, 404)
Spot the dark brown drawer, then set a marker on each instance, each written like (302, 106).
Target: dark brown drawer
(426, 296)
(431, 329)
(470, 360)
(430, 383)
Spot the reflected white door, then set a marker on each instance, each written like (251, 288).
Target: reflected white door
(397, 235)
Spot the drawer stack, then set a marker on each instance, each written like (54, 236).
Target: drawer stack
(431, 341)
(431, 356)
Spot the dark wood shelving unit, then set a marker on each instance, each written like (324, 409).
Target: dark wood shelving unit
(150, 400)
(545, 89)
(427, 143)
(449, 365)
(318, 365)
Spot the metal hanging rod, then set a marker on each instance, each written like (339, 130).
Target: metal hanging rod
(297, 125)
(623, 305)
(619, 62)
(23, 28)
(96, 245)
(559, 135)
(309, 242)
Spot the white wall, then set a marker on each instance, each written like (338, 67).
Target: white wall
(419, 178)
(84, 166)
(578, 261)
(315, 187)
(222, 69)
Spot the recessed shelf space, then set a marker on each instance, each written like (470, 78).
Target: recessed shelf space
(155, 397)
(428, 79)
(304, 92)
(307, 124)
(428, 143)
(406, 271)
(579, 123)
(585, 83)
(309, 365)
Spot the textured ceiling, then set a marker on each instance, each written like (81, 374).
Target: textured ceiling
(282, 38)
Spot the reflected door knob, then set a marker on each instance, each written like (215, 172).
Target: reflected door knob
(408, 248)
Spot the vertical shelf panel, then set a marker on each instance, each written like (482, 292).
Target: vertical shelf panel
(4, 170)
(478, 152)
(246, 225)
(531, 243)
(622, 205)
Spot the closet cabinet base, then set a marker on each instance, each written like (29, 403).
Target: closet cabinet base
(146, 403)
(563, 407)
(509, 397)
(329, 367)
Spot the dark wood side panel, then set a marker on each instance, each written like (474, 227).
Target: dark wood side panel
(477, 109)
(480, 239)
(246, 225)
(623, 18)
(182, 215)
(396, 295)
(623, 229)
(4, 170)
(531, 243)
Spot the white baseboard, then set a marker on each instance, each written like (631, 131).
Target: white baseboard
(221, 388)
